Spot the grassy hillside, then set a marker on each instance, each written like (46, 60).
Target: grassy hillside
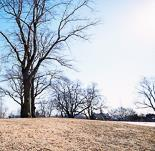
(73, 135)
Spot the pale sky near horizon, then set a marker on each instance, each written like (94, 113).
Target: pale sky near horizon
(121, 50)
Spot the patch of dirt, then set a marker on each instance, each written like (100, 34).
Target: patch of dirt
(53, 134)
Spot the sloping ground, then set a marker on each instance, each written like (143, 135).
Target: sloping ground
(74, 135)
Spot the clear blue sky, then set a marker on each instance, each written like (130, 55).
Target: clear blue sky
(121, 50)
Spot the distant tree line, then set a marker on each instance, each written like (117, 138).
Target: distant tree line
(128, 114)
(117, 114)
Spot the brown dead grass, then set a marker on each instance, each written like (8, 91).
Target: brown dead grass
(52, 134)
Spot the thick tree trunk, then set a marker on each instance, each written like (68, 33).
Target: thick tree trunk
(32, 99)
(25, 110)
(26, 107)
(33, 107)
(70, 115)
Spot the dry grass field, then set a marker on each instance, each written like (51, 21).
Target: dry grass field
(52, 134)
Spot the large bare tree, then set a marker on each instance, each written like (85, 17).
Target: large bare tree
(146, 90)
(38, 32)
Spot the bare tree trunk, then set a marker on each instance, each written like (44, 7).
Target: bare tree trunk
(62, 114)
(33, 107)
(25, 108)
(32, 99)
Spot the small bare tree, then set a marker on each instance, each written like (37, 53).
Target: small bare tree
(93, 101)
(14, 87)
(3, 109)
(146, 90)
(15, 90)
(45, 108)
(68, 98)
(72, 100)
